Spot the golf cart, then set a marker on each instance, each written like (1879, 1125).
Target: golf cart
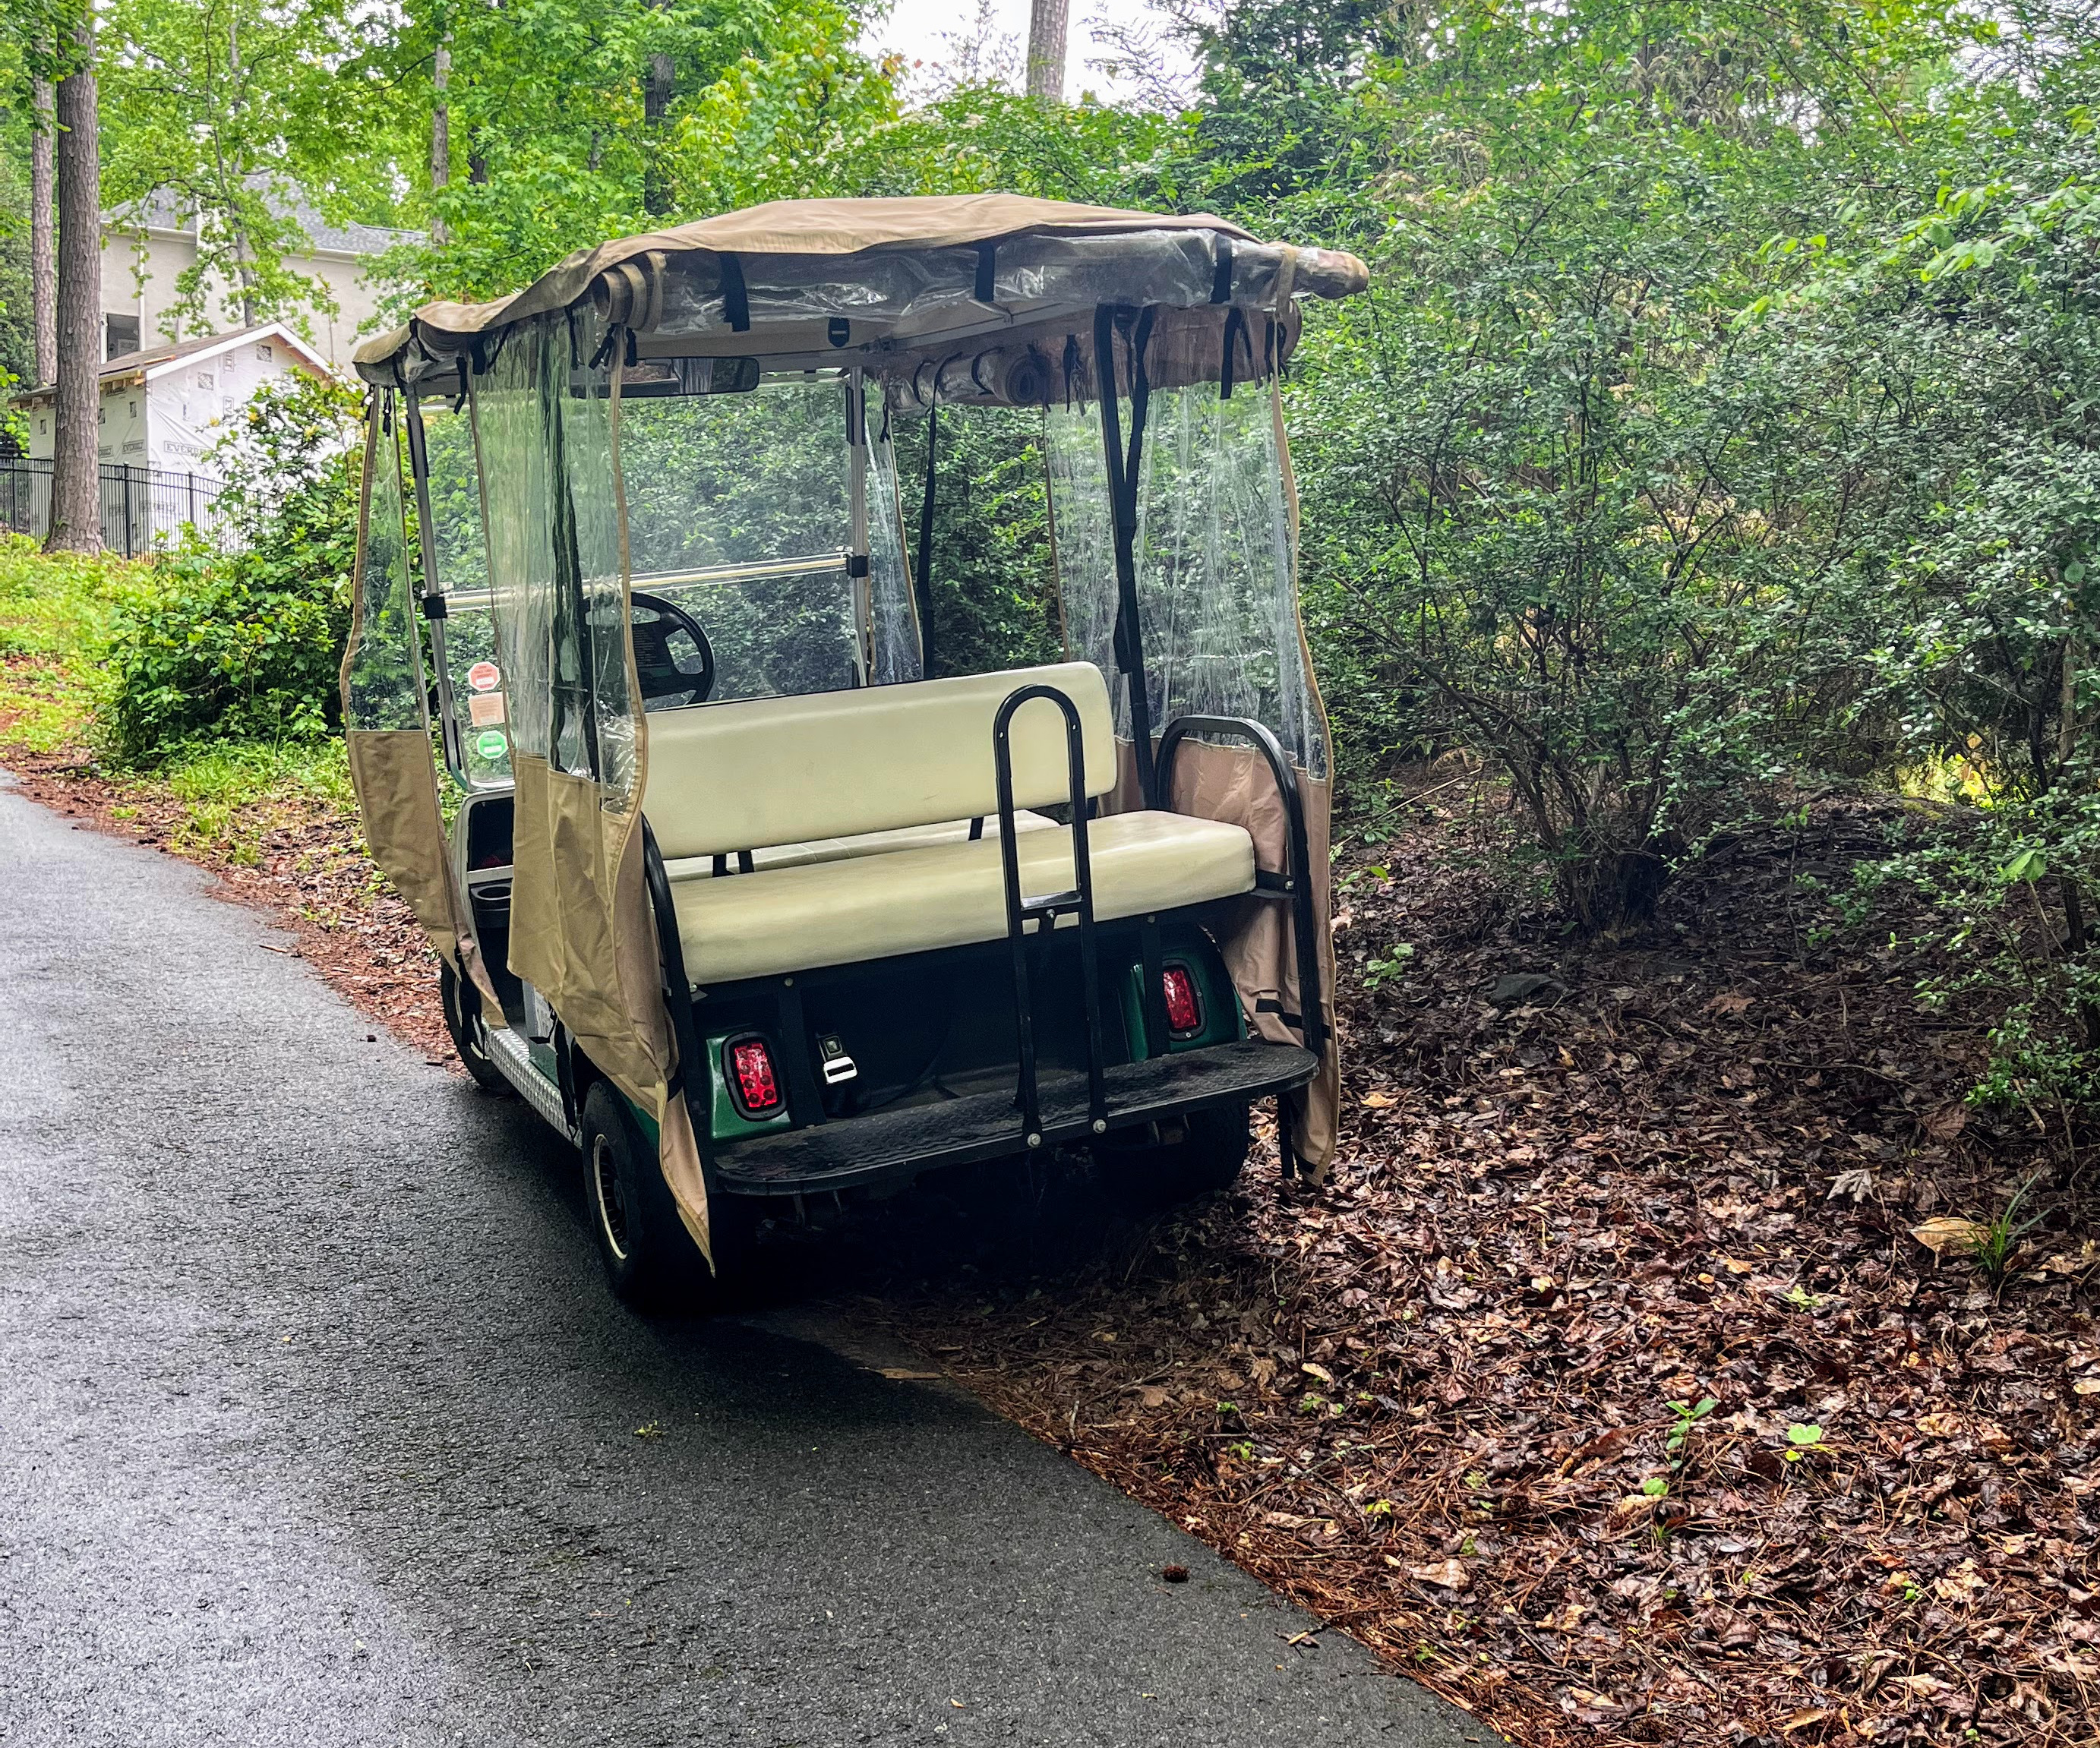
(748, 891)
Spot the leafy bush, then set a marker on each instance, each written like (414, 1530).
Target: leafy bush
(995, 584)
(247, 647)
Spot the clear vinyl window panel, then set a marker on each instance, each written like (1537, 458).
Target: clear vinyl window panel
(480, 701)
(739, 511)
(1215, 563)
(454, 493)
(386, 679)
(543, 434)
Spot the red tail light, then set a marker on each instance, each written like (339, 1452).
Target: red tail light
(752, 1078)
(1184, 1009)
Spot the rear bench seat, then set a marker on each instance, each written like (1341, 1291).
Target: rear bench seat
(857, 806)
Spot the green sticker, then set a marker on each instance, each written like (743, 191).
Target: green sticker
(490, 744)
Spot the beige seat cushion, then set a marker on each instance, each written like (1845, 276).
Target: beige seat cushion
(753, 772)
(867, 843)
(945, 895)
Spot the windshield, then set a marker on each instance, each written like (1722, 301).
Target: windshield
(739, 513)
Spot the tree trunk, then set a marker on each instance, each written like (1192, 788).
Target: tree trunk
(75, 472)
(43, 264)
(2074, 908)
(655, 107)
(1047, 23)
(243, 262)
(441, 129)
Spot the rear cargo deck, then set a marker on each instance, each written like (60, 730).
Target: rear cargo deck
(839, 1154)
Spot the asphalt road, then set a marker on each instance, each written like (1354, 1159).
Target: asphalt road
(317, 1424)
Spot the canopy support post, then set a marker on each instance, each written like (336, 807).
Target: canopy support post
(925, 579)
(582, 694)
(858, 568)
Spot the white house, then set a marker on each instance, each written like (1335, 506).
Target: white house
(163, 407)
(146, 248)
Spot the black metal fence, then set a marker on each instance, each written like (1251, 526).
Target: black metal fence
(144, 509)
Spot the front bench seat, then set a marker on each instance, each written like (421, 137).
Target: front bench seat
(903, 759)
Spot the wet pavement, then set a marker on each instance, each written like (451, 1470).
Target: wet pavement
(318, 1425)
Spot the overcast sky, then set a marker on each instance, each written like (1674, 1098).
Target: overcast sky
(939, 34)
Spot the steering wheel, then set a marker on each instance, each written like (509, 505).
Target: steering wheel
(673, 657)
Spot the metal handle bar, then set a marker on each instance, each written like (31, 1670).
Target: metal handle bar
(1079, 901)
(1296, 882)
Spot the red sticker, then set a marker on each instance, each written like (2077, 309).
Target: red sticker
(484, 676)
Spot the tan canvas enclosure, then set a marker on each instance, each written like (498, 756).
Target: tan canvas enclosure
(827, 805)
(387, 724)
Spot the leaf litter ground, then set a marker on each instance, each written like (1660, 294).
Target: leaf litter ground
(1603, 1388)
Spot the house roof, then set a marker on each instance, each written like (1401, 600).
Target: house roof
(150, 362)
(164, 210)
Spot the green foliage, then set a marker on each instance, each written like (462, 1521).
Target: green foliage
(1996, 1244)
(228, 108)
(55, 613)
(1688, 1416)
(247, 647)
(995, 584)
(1562, 508)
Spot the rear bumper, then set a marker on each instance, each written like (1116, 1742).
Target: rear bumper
(886, 1145)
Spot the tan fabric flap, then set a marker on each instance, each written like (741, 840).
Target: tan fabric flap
(1233, 783)
(397, 801)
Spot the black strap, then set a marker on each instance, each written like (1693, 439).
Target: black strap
(1124, 471)
(1235, 327)
(1075, 363)
(923, 577)
(987, 260)
(1221, 279)
(462, 401)
(736, 299)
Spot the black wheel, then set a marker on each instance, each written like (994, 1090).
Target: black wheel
(1207, 1159)
(470, 1031)
(651, 1260)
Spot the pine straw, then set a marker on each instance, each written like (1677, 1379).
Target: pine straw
(1432, 1401)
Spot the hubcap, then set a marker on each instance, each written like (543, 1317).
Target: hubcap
(605, 1192)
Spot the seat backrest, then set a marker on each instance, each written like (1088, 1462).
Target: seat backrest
(832, 765)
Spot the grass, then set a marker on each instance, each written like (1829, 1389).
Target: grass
(57, 610)
(233, 793)
(1997, 1241)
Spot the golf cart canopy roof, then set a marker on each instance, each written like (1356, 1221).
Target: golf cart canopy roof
(968, 297)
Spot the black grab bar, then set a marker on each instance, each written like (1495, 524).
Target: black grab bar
(1079, 901)
(1295, 882)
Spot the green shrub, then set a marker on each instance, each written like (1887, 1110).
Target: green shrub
(247, 647)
